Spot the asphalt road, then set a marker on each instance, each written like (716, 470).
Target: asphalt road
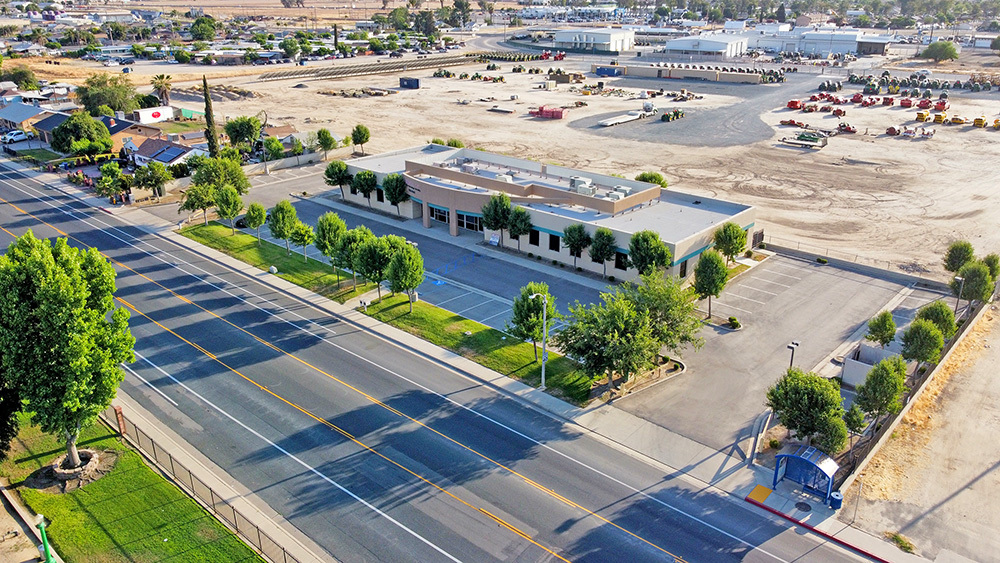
(373, 451)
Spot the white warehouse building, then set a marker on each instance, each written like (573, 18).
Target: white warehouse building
(597, 39)
(725, 45)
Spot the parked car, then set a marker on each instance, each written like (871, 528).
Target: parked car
(396, 55)
(127, 70)
(16, 136)
(126, 61)
(110, 62)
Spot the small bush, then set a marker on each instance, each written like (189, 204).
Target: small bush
(774, 444)
(554, 262)
(611, 279)
(531, 255)
(762, 246)
(734, 322)
(579, 269)
(901, 541)
(748, 254)
(821, 260)
(539, 257)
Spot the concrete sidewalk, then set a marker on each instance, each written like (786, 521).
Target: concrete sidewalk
(674, 453)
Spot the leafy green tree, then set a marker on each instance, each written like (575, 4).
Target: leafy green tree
(959, 253)
(406, 271)
(372, 261)
(153, 177)
(804, 402)
(992, 262)
(203, 29)
(161, 84)
(256, 217)
(273, 148)
(833, 436)
(609, 338)
(399, 18)
(365, 182)
(228, 204)
(325, 141)
(302, 235)
(211, 133)
(995, 44)
(220, 172)
(604, 247)
(330, 229)
(198, 196)
(113, 90)
(81, 134)
(497, 213)
(576, 238)
(781, 16)
(21, 75)
(710, 276)
(281, 221)
(182, 56)
(289, 46)
(652, 178)
(730, 240)
(922, 341)
(360, 135)
(526, 318)
(940, 51)
(854, 420)
(347, 250)
(455, 143)
(647, 252)
(883, 389)
(462, 11)
(881, 329)
(243, 130)
(394, 187)
(336, 174)
(105, 111)
(63, 340)
(671, 310)
(112, 183)
(978, 284)
(519, 225)
(939, 313)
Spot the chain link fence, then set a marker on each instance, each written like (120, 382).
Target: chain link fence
(196, 488)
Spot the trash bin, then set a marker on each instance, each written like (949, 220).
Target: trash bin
(836, 500)
(414, 297)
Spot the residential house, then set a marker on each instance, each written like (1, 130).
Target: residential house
(46, 126)
(124, 131)
(21, 116)
(163, 151)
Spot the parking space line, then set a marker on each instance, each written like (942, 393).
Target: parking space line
(454, 298)
(728, 306)
(481, 303)
(780, 274)
(493, 316)
(757, 289)
(771, 282)
(741, 297)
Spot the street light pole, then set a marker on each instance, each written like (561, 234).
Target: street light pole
(545, 331)
(40, 519)
(792, 347)
(961, 288)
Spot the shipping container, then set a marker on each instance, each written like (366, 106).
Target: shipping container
(411, 83)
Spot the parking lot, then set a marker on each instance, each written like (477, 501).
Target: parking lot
(783, 299)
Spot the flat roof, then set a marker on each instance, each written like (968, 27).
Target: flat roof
(395, 162)
(674, 215)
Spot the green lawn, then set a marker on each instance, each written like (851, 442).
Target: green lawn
(130, 514)
(313, 275)
(180, 126)
(485, 346)
(43, 155)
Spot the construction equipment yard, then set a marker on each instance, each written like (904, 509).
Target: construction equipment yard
(868, 195)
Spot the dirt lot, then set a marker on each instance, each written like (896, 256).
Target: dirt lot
(935, 482)
(881, 198)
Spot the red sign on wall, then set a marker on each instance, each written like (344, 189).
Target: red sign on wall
(155, 114)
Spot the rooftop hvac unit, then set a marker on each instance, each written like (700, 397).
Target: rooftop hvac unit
(511, 173)
(439, 164)
(504, 178)
(469, 168)
(624, 190)
(586, 189)
(576, 181)
(615, 196)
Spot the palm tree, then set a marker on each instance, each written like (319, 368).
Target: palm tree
(161, 84)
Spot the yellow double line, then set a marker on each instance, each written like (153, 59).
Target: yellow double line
(343, 432)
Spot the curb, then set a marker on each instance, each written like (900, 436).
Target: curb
(818, 532)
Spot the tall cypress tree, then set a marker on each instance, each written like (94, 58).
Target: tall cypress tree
(211, 135)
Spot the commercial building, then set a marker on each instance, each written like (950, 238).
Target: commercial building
(723, 45)
(448, 188)
(609, 40)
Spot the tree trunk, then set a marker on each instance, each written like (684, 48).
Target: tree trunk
(72, 456)
(709, 307)
(355, 276)
(258, 236)
(232, 223)
(378, 286)
(369, 198)
(398, 214)
(519, 243)
(288, 248)
(535, 346)
(342, 196)
(410, 295)
(205, 213)
(304, 259)
(574, 261)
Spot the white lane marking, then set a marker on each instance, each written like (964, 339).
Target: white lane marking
(452, 299)
(757, 289)
(741, 297)
(728, 306)
(771, 282)
(151, 386)
(771, 271)
(310, 468)
(361, 358)
(473, 307)
(493, 316)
